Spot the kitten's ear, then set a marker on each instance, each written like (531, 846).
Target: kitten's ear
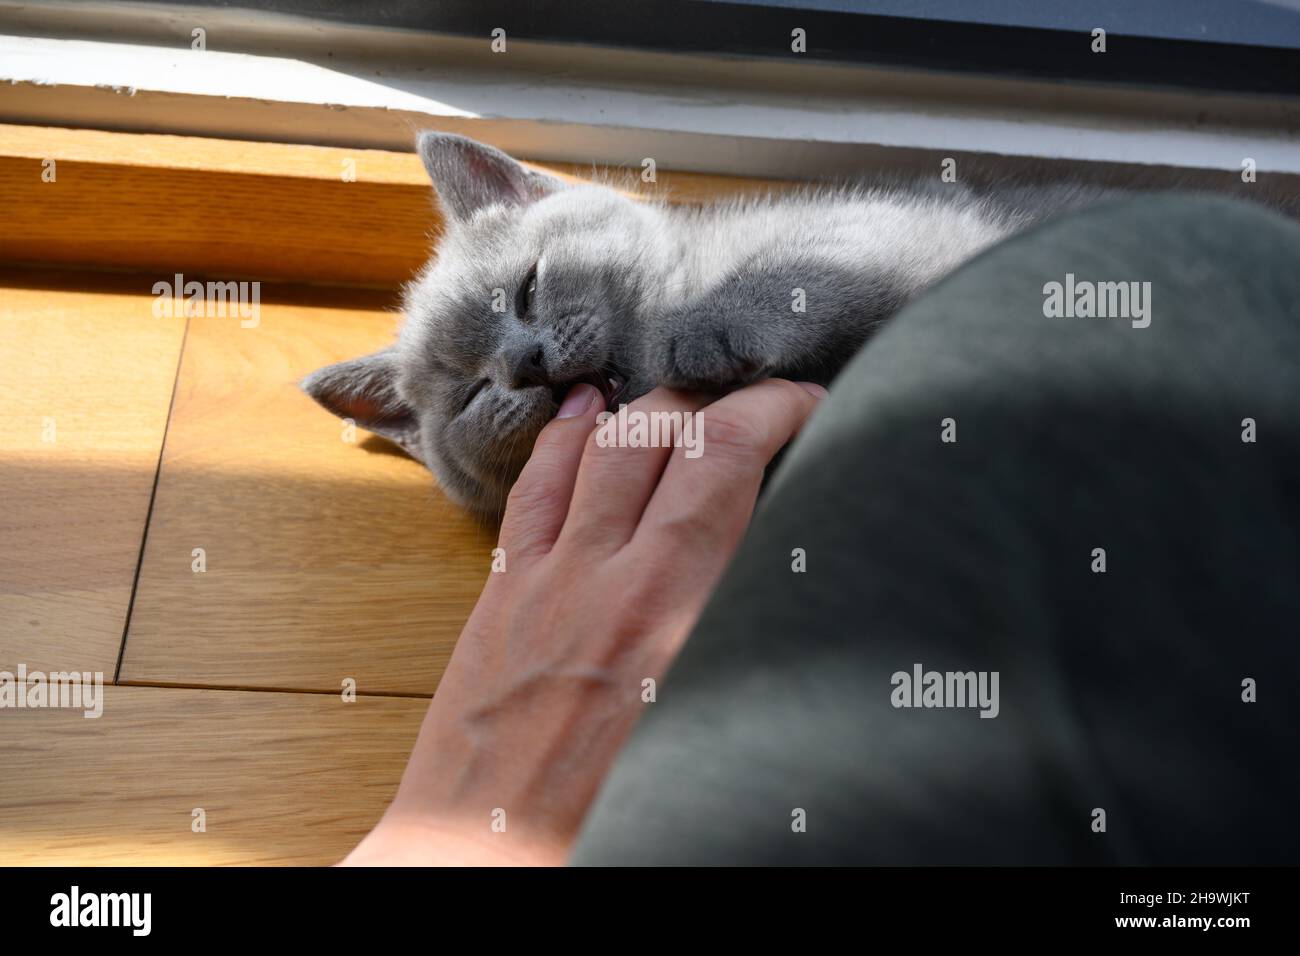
(469, 175)
(365, 390)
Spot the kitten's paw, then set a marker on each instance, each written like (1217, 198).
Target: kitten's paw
(709, 357)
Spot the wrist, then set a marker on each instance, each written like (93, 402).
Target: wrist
(422, 840)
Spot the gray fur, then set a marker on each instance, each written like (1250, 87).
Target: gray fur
(691, 297)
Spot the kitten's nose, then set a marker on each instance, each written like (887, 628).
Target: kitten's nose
(527, 366)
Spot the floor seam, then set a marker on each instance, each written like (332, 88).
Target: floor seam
(272, 690)
(153, 495)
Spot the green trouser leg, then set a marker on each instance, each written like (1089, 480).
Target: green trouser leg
(776, 737)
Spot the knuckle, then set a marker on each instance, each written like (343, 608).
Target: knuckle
(600, 459)
(795, 402)
(581, 536)
(685, 527)
(732, 434)
(530, 491)
(794, 397)
(697, 520)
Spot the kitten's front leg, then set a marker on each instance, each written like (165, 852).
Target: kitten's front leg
(709, 350)
(792, 322)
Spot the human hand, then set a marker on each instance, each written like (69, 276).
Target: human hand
(611, 554)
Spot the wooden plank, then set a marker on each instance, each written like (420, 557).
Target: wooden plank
(154, 151)
(212, 222)
(281, 778)
(86, 365)
(324, 560)
(228, 209)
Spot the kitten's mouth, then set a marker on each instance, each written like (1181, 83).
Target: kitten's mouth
(608, 381)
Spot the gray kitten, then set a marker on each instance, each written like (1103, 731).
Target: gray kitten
(538, 284)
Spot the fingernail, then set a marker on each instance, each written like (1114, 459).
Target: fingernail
(577, 401)
(813, 389)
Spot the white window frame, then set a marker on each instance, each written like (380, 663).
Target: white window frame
(366, 87)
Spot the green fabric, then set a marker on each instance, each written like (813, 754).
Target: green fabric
(1119, 690)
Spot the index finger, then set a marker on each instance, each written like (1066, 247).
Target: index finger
(707, 500)
(539, 500)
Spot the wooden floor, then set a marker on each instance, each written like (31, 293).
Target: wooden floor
(176, 516)
(132, 446)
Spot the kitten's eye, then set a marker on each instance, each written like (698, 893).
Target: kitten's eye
(527, 292)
